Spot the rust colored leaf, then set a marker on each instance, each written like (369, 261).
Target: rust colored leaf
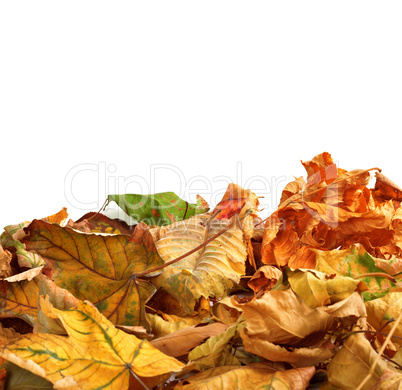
(233, 201)
(264, 279)
(385, 189)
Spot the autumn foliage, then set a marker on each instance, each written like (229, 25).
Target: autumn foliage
(189, 298)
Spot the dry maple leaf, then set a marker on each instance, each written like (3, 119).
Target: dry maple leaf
(94, 355)
(101, 269)
(19, 299)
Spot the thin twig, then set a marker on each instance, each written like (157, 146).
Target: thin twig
(143, 385)
(102, 207)
(373, 332)
(387, 340)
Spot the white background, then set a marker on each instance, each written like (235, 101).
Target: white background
(100, 97)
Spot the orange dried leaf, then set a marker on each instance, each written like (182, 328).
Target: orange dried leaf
(264, 279)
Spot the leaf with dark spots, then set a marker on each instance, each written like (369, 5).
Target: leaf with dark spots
(99, 268)
(159, 209)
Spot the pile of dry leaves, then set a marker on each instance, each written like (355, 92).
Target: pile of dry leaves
(190, 298)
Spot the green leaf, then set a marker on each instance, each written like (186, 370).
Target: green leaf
(159, 209)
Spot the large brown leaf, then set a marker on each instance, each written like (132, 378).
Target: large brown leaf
(99, 268)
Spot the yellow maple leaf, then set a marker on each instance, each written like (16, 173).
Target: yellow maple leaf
(95, 355)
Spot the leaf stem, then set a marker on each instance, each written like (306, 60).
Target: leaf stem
(379, 274)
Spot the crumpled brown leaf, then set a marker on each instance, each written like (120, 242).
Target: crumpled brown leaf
(332, 209)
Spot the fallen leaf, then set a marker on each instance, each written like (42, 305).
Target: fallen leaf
(10, 239)
(389, 380)
(212, 271)
(19, 299)
(57, 297)
(95, 355)
(59, 218)
(101, 269)
(99, 223)
(352, 363)
(233, 202)
(224, 311)
(386, 189)
(382, 309)
(264, 278)
(317, 288)
(256, 376)
(179, 343)
(26, 275)
(281, 317)
(296, 357)
(6, 335)
(353, 262)
(5, 259)
(215, 352)
(159, 209)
